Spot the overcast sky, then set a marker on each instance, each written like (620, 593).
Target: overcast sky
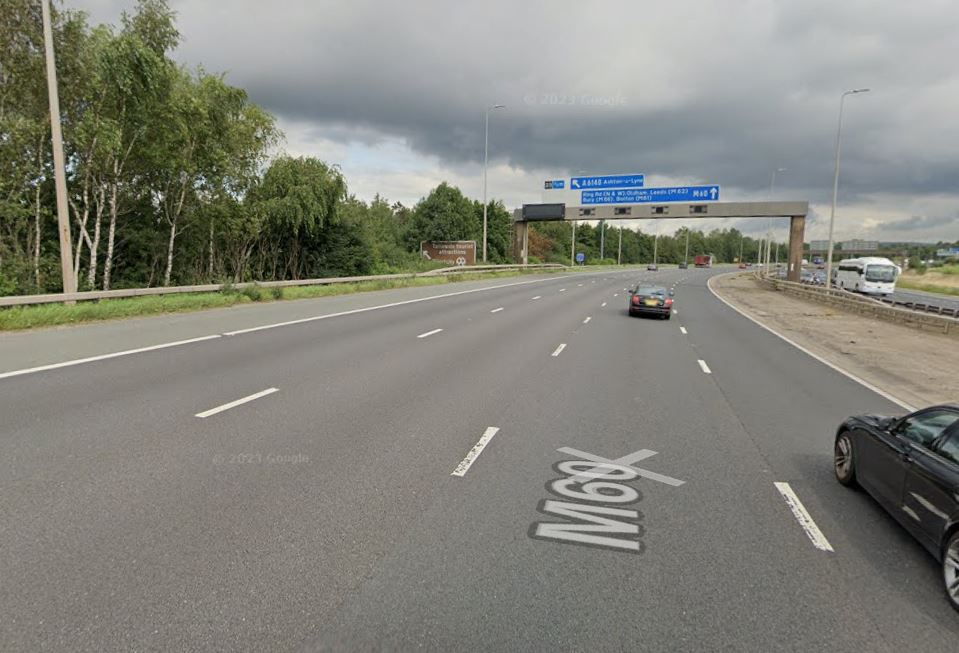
(711, 91)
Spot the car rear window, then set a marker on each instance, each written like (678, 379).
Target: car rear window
(650, 291)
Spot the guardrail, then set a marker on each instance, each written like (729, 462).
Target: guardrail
(863, 305)
(921, 306)
(24, 300)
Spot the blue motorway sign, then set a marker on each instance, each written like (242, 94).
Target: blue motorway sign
(608, 181)
(580, 257)
(651, 195)
(555, 184)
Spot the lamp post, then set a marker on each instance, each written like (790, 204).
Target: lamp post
(835, 181)
(485, 170)
(59, 166)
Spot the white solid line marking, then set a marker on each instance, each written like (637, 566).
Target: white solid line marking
(391, 305)
(849, 375)
(802, 516)
(234, 404)
(704, 366)
(429, 333)
(586, 321)
(538, 297)
(683, 330)
(117, 354)
(602, 305)
(496, 310)
(559, 349)
(474, 453)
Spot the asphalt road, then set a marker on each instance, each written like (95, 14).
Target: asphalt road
(921, 297)
(387, 483)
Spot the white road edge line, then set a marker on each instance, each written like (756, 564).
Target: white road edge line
(682, 330)
(803, 517)
(586, 321)
(429, 333)
(704, 367)
(391, 305)
(496, 310)
(116, 354)
(559, 350)
(849, 375)
(234, 404)
(474, 453)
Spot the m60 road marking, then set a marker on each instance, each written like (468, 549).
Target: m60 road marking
(598, 516)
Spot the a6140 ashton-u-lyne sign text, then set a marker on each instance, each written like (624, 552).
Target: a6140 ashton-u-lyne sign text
(457, 252)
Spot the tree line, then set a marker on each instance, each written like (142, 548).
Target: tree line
(176, 177)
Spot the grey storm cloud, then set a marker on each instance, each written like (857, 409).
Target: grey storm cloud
(690, 89)
(920, 222)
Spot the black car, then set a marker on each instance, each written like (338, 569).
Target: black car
(684, 265)
(651, 300)
(652, 267)
(910, 465)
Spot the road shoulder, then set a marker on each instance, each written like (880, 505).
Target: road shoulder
(915, 367)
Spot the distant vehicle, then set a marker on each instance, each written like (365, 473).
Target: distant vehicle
(652, 267)
(870, 274)
(781, 273)
(805, 261)
(819, 277)
(743, 266)
(703, 261)
(684, 265)
(651, 300)
(910, 465)
(817, 260)
(805, 276)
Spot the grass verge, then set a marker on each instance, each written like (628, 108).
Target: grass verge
(17, 318)
(905, 282)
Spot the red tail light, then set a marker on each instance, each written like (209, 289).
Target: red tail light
(668, 302)
(635, 299)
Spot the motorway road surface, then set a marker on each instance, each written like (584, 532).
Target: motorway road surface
(380, 486)
(921, 297)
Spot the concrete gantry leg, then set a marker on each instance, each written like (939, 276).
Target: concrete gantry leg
(797, 232)
(520, 240)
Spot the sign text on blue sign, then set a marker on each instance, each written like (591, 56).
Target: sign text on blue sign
(608, 181)
(651, 195)
(555, 184)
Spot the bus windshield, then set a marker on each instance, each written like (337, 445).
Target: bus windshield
(880, 273)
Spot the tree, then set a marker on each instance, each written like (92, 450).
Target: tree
(444, 214)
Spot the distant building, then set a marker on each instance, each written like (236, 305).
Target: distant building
(857, 245)
(818, 245)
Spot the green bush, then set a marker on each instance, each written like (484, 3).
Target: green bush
(254, 293)
(276, 292)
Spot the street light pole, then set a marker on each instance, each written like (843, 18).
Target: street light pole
(485, 169)
(572, 252)
(835, 181)
(59, 167)
(686, 255)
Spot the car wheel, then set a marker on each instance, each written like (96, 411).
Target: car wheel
(950, 570)
(844, 460)
(668, 316)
